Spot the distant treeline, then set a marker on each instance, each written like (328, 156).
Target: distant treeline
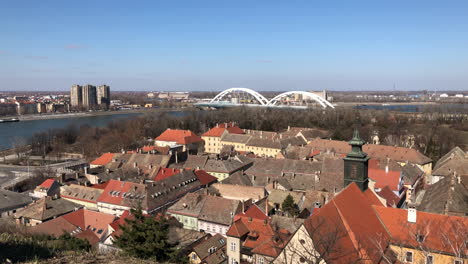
(433, 132)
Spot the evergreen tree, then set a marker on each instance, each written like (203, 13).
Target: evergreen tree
(146, 237)
(289, 206)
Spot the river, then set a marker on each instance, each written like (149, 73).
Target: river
(11, 132)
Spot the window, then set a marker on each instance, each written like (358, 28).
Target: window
(262, 260)
(430, 259)
(221, 241)
(302, 260)
(302, 241)
(458, 261)
(233, 246)
(194, 256)
(419, 238)
(409, 257)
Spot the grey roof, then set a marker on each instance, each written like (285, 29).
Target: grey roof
(12, 200)
(264, 143)
(219, 210)
(297, 152)
(217, 241)
(411, 173)
(315, 133)
(278, 196)
(171, 189)
(456, 165)
(226, 166)
(47, 208)
(454, 153)
(441, 194)
(238, 178)
(195, 161)
(292, 141)
(288, 223)
(236, 138)
(79, 192)
(190, 204)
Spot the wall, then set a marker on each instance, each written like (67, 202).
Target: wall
(420, 256)
(87, 205)
(233, 255)
(212, 145)
(299, 246)
(189, 222)
(212, 228)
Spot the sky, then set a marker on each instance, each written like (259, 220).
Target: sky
(214, 45)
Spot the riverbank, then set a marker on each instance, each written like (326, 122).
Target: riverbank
(91, 114)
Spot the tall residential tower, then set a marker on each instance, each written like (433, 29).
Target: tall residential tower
(103, 95)
(89, 96)
(76, 95)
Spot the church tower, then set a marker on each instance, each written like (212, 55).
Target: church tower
(356, 163)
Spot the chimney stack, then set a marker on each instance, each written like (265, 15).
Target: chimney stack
(411, 213)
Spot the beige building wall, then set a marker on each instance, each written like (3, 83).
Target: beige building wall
(212, 144)
(300, 249)
(233, 250)
(421, 256)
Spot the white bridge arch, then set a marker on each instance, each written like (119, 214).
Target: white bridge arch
(274, 101)
(260, 98)
(324, 103)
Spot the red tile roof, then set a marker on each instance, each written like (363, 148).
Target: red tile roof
(372, 198)
(47, 183)
(392, 199)
(383, 178)
(205, 178)
(118, 188)
(252, 212)
(103, 160)
(179, 136)
(165, 173)
(440, 232)
(350, 216)
(101, 186)
(89, 235)
(219, 130)
(265, 242)
(87, 219)
(55, 227)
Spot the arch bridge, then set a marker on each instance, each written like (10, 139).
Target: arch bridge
(249, 97)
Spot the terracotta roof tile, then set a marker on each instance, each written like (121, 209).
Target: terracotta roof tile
(439, 232)
(219, 130)
(179, 136)
(392, 199)
(165, 173)
(384, 178)
(87, 219)
(350, 214)
(47, 183)
(204, 177)
(104, 159)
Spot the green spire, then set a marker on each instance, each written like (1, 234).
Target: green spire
(356, 140)
(356, 145)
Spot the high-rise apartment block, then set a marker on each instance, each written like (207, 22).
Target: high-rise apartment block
(76, 95)
(103, 95)
(88, 96)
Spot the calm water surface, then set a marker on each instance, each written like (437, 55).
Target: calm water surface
(10, 132)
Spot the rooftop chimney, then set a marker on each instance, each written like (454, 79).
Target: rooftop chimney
(412, 213)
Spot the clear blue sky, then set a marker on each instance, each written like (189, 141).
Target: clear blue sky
(214, 45)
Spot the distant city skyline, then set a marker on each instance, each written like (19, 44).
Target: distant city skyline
(213, 45)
